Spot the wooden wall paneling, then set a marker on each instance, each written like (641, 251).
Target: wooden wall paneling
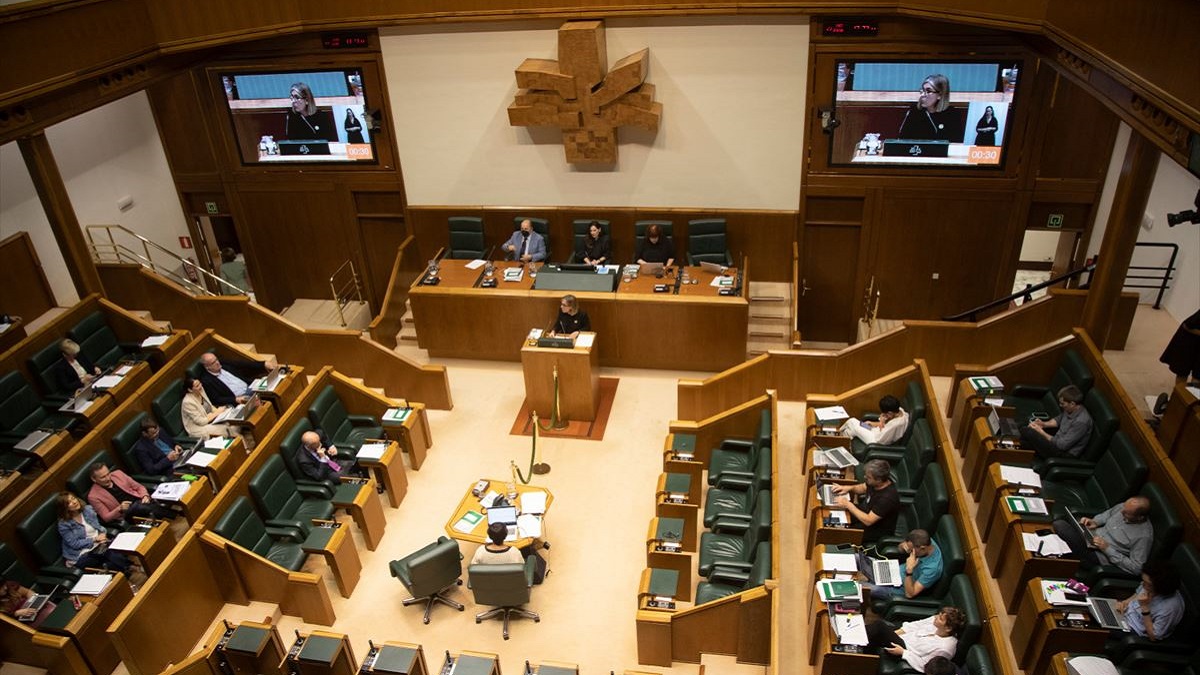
(182, 113)
(181, 23)
(24, 289)
(1071, 148)
(712, 628)
(381, 238)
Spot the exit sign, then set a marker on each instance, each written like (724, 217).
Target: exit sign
(1054, 220)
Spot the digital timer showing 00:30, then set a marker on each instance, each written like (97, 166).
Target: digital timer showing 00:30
(979, 154)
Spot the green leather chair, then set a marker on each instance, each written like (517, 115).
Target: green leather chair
(466, 238)
(79, 482)
(1118, 475)
(1031, 398)
(12, 568)
(505, 587)
(962, 596)
(1182, 640)
(279, 545)
(275, 494)
(735, 495)
(908, 466)
(348, 432)
(99, 344)
(168, 410)
(954, 561)
(726, 579)
(22, 412)
(429, 572)
(540, 225)
(39, 532)
(735, 538)
(913, 402)
(41, 365)
(580, 229)
(707, 242)
(979, 661)
(742, 458)
(1104, 425)
(931, 502)
(127, 436)
(288, 447)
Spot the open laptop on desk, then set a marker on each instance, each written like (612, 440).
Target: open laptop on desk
(1105, 612)
(886, 572)
(36, 603)
(506, 515)
(79, 402)
(187, 454)
(713, 268)
(1004, 429)
(268, 381)
(837, 456)
(239, 413)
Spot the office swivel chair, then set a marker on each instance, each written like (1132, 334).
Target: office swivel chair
(429, 572)
(505, 587)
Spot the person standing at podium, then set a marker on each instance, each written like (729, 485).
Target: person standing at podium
(571, 319)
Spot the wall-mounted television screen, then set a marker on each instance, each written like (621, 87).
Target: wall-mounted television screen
(301, 116)
(927, 113)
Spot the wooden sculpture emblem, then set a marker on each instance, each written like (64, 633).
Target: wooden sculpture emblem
(575, 94)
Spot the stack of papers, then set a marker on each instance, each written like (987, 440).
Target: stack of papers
(107, 382)
(529, 525)
(1035, 505)
(1050, 544)
(1020, 475)
(217, 443)
(200, 459)
(489, 500)
(533, 502)
(171, 492)
(833, 413)
(514, 273)
(123, 370)
(467, 523)
(584, 340)
(155, 340)
(372, 450)
(851, 629)
(844, 564)
(1055, 593)
(91, 584)
(127, 541)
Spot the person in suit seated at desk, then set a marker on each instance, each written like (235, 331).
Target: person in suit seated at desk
(13, 597)
(893, 422)
(571, 319)
(596, 247)
(84, 540)
(918, 642)
(880, 506)
(922, 567)
(1156, 606)
(525, 244)
(116, 497)
(230, 386)
(74, 371)
(315, 459)
(656, 248)
(156, 451)
(198, 412)
(495, 551)
(1065, 435)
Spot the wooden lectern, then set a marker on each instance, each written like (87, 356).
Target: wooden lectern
(578, 379)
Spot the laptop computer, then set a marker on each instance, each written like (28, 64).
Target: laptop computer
(506, 515)
(271, 379)
(650, 269)
(825, 493)
(79, 402)
(1084, 533)
(712, 268)
(32, 439)
(36, 603)
(239, 413)
(187, 454)
(886, 572)
(1003, 428)
(1105, 612)
(838, 456)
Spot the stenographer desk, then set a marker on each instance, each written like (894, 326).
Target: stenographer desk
(695, 328)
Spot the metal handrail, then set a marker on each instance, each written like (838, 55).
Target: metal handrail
(1166, 271)
(120, 251)
(350, 290)
(1025, 293)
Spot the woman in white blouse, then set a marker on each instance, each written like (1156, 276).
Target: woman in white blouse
(199, 412)
(917, 642)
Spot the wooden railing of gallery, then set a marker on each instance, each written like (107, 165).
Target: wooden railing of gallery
(942, 345)
(240, 320)
(385, 327)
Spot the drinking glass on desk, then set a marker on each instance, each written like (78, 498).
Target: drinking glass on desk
(489, 270)
(532, 270)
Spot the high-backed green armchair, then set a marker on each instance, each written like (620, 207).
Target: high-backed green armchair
(744, 457)
(348, 432)
(244, 527)
(39, 532)
(1118, 475)
(726, 579)
(429, 572)
(734, 539)
(505, 587)
(168, 410)
(274, 492)
(1031, 398)
(99, 344)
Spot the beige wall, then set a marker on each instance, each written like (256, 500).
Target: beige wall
(731, 136)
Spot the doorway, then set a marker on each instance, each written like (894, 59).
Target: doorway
(214, 234)
(1045, 254)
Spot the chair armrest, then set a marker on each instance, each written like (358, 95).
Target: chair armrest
(8, 438)
(1129, 649)
(902, 609)
(363, 420)
(907, 495)
(733, 565)
(1029, 391)
(728, 576)
(735, 480)
(53, 402)
(730, 523)
(60, 572)
(282, 532)
(737, 445)
(318, 489)
(1069, 468)
(147, 480)
(280, 523)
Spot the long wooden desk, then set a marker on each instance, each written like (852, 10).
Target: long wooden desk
(698, 329)
(1037, 634)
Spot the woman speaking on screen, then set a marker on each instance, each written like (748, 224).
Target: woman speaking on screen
(304, 121)
(932, 119)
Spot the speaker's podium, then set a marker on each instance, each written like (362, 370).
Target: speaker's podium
(578, 365)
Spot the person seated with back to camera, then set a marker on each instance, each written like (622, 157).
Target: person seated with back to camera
(316, 459)
(1122, 536)
(155, 450)
(922, 567)
(893, 422)
(918, 642)
(1156, 606)
(1065, 435)
(571, 320)
(880, 506)
(495, 551)
(74, 371)
(228, 384)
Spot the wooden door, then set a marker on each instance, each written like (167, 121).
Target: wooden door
(827, 306)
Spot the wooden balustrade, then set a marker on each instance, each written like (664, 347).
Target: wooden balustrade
(407, 267)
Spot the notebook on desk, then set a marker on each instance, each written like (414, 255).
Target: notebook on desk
(31, 440)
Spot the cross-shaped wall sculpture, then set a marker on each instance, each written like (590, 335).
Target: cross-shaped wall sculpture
(575, 94)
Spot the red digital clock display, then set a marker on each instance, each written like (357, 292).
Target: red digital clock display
(345, 41)
(850, 28)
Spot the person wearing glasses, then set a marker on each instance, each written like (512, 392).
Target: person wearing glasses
(1065, 435)
(304, 121)
(571, 319)
(932, 118)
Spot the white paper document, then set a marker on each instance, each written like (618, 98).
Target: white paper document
(529, 525)
(91, 584)
(585, 340)
(1051, 544)
(533, 502)
(1020, 475)
(851, 629)
(123, 370)
(839, 562)
(155, 340)
(831, 413)
(171, 492)
(489, 499)
(200, 459)
(217, 443)
(475, 264)
(107, 382)
(127, 541)
(372, 450)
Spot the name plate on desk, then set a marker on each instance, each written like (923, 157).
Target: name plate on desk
(668, 546)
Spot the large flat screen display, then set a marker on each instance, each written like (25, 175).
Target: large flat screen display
(928, 113)
(300, 116)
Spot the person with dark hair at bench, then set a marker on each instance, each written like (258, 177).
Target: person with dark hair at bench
(878, 510)
(116, 497)
(84, 541)
(495, 551)
(1121, 535)
(596, 248)
(940, 665)
(1156, 607)
(156, 451)
(656, 248)
(918, 642)
(892, 423)
(1072, 428)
